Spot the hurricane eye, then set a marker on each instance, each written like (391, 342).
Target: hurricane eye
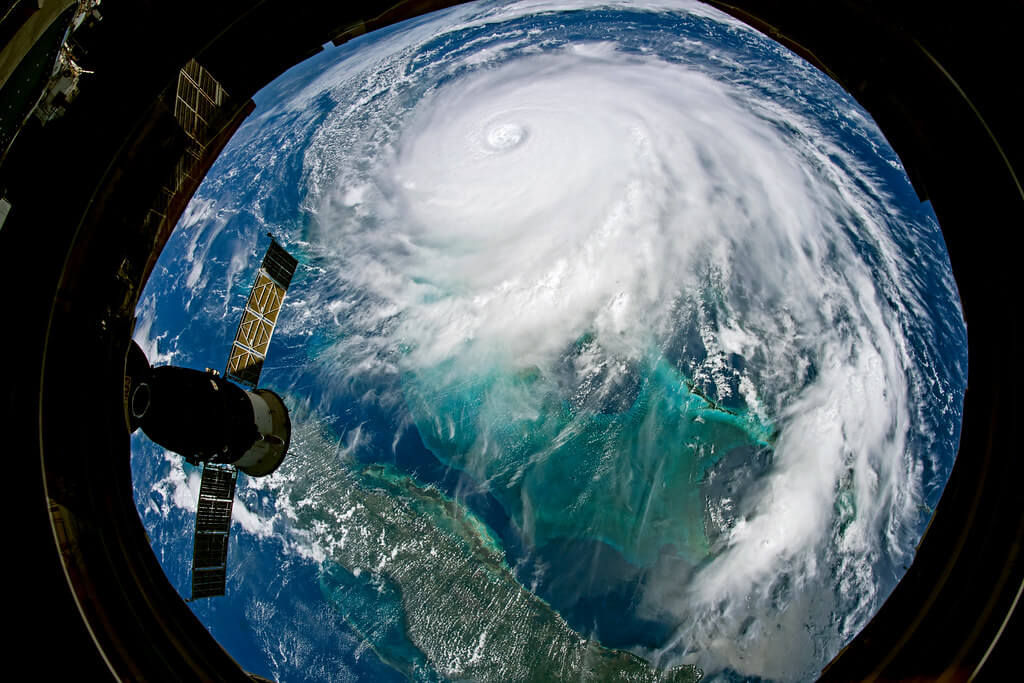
(506, 136)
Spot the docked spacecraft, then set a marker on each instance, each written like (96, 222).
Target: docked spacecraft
(223, 423)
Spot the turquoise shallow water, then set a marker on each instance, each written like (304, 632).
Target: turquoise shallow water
(566, 468)
(372, 607)
(422, 581)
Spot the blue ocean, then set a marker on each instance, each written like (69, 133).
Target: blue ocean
(623, 383)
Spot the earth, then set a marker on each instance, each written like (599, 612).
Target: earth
(620, 348)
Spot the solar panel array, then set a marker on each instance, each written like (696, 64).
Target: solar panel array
(213, 527)
(245, 363)
(249, 349)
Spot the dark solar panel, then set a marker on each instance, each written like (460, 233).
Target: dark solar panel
(213, 529)
(208, 583)
(279, 264)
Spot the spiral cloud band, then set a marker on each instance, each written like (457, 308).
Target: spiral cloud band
(587, 189)
(650, 285)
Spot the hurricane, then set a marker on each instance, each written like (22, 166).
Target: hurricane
(623, 345)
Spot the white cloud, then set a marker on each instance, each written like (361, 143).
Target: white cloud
(588, 193)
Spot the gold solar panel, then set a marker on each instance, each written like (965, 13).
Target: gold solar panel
(252, 340)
